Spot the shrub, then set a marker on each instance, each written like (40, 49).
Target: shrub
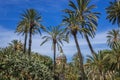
(18, 66)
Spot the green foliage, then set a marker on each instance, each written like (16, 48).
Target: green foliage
(104, 65)
(80, 18)
(113, 39)
(72, 72)
(30, 24)
(44, 59)
(56, 35)
(113, 12)
(18, 66)
(16, 45)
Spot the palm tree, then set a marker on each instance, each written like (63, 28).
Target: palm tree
(113, 38)
(97, 66)
(16, 45)
(73, 28)
(56, 36)
(86, 17)
(113, 12)
(33, 19)
(114, 61)
(23, 28)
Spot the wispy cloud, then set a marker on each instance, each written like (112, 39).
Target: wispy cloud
(6, 36)
(69, 49)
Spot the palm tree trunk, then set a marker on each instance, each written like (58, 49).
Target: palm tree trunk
(25, 41)
(89, 44)
(30, 41)
(82, 73)
(54, 43)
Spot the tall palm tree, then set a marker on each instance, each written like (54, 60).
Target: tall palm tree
(23, 28)
(86, 17)
(56, 36)
(113, 12)
(113, 38)
(33, 18)
(73, 28)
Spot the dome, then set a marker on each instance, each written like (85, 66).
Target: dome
(61, 56)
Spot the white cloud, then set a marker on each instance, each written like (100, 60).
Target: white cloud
(6, 36)
(69, 49)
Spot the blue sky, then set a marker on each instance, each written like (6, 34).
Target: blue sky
(51, 12)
